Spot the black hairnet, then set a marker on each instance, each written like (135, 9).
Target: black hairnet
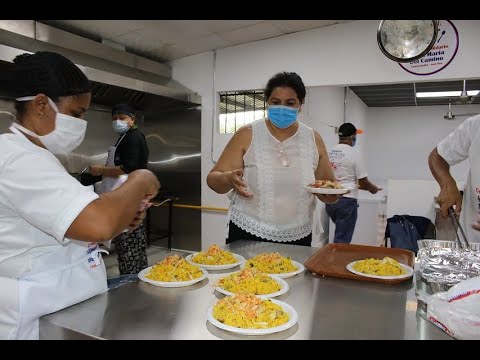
(45, 72)
(123, 109)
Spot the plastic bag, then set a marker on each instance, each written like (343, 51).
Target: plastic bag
(456, 311)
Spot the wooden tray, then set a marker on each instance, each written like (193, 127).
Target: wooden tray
(332, 260)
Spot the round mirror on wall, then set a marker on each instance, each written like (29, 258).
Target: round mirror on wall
(406, 40)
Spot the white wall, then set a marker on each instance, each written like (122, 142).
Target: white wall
(324, 106)
(342, 54)
(338, 55)
(357, 114)
(399, 140)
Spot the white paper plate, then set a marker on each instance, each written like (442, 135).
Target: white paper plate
(240, 260)
(404, 276)
(283, 288)
(324, 191)
(291, 322)
(141, 276)
(300, 269)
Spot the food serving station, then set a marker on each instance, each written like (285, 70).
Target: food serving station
(327, 308)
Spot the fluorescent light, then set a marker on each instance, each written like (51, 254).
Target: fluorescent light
(438, 94)
(434, 94)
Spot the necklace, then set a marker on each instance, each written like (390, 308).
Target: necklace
(282, 155)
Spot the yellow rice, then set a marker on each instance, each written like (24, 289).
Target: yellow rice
(214, 256)
(249, 281)
(271, 263)
(174, 268)
(385, 267)
(249, 312)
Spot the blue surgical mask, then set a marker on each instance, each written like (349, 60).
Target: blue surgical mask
(120, 126)
(354, 141)
(282, 116)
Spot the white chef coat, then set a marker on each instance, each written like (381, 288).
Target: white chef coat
(464, 143)
(40, 269)
(348, 167)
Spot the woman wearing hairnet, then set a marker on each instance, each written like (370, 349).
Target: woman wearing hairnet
(129, 153)
(49, 223)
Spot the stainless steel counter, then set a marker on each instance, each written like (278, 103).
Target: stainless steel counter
(328, 308)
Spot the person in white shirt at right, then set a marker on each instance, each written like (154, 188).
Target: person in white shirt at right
(463, 143)
(349, 171)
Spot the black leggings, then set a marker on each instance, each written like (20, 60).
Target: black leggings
(235, 233)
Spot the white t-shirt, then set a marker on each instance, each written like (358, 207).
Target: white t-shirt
(461, 144)
(348, 167)
(39, 201)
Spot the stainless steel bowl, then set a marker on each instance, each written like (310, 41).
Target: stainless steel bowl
(406, 40)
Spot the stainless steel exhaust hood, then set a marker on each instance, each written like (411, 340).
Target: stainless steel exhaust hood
(117, 76)
(150, 104)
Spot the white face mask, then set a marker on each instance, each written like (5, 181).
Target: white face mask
(68, 134)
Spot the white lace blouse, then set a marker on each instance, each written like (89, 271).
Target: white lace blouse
(276, 172)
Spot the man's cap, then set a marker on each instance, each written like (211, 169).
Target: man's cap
(348, 129)
(124, 109)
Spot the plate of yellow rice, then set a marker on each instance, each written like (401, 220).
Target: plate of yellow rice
(386, 268)
(173, 271)
(274, 264)
(251, 281)
(215, 259)
(250, 315)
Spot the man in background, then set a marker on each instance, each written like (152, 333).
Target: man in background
(349, 170)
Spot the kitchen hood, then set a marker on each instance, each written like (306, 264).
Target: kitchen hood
(116, 75)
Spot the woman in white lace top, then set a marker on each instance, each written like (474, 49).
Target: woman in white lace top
(265, 167)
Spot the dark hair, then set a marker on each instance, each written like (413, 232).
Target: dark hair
(286, 79)
(48, 73)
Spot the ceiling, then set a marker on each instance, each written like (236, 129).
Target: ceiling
(390, 95)
(165, 40)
